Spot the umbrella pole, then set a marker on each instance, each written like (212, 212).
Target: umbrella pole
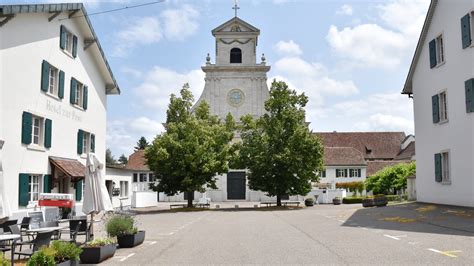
(91, 233)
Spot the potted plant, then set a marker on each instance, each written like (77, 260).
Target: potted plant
(368, 202)
(309, 202)
(42, 257)
(336, 201)
(98, 250)
(65, 253)
(123, 227)
(380, 200)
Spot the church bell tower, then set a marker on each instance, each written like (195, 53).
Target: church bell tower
(235, 83)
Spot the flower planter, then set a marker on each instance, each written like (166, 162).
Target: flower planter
(130, 241)
(368, 202)
(336, 201)
(94, 255)
(309, 203)
(380, 201)
(67, 263)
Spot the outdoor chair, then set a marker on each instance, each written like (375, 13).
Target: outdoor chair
(25, 223)
(14, 229)
(74, 233)
(56, 234)
(83, 228)
(42, 239)
(6, 225)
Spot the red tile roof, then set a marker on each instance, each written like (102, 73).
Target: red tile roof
(375, 166)
(372, 145)
(342, 156)
(407, 153)
(70, 167)
(137, 161)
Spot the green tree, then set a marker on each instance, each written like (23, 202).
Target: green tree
(142, 143)
(109, 158)
(193, 150)
(282, 155)
(391, 179)
(123, 159)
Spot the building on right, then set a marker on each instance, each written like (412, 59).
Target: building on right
(441, 83)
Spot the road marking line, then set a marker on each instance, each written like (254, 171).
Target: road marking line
(152, 243)
(392, 237)
(130, 255)
(446, 253)
(166, 234)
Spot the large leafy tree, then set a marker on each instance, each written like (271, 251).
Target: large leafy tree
(109, 158)
(142, 143)
(278, 149)
(193, 150)
(123, 159)
(391, 179)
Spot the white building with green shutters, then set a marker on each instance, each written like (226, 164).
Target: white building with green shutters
(441, 82)
(54, 83)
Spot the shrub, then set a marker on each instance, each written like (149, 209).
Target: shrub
(356, 186)
(4, 261)
(42, 257)
(98, 242)
(352, 200)
(391, 179)
(309, 200)
(121, 225)
(65, 251)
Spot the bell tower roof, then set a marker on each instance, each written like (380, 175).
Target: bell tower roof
(235, 26)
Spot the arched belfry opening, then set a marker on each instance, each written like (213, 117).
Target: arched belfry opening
(235, 56)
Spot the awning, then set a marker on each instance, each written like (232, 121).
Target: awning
(70, 167)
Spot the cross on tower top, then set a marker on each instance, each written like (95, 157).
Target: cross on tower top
(236, 7)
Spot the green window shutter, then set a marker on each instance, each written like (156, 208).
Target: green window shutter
(92, 143)
(466, 31)
(26, 127)
(74, 46)
(435, 107)
(61, 84)
(45, 76)
(432, 53)
(48, 124)
(72, 97)
(80, 138)
(438, 167)
(23, 189)
(47, 184)
(469, 86)
(62, 37)
(78, 188)
(84, 97)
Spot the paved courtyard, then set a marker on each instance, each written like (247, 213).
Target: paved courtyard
(347, 234)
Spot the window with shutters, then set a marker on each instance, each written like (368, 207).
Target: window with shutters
(322, 174)
(34, 187)
(341, 173)
(68, 36)
(355, 173)
(440, 107)
(53, 81)
(86, 147)
(445, 175)
(123, 188)
(79, 94)
(439, 50)
(37, 131)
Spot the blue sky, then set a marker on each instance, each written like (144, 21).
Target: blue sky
(350, 57)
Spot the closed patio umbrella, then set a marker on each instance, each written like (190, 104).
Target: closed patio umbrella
(4, 206)
(96, 196)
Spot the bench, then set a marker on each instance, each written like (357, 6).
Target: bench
(268, 203)
(182, 205)
(202, 205)
(286, 203)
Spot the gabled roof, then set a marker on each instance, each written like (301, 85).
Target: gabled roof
(375, 166)
(70, 167)
(372, 145)
(340, 156)
(137, 161)
(407, 153)
(408, 87)
(75, 9)
(236, 21)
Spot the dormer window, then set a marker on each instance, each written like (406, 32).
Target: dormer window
(235, 56)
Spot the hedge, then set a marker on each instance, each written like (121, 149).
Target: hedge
(352, 200)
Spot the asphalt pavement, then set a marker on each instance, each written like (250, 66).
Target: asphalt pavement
(408, 234)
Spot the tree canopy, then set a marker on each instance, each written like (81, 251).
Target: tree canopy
(193, 150)
(142, 143)
(109, 158)
(278, 149)
(391, 179)
(123, 159)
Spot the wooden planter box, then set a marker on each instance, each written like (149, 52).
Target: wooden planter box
(130, 241)
(336, 201)
(67, 263)
(94, 255)
(368, 202)
(308, 203)
(380, 201)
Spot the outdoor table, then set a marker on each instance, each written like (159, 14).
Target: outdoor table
(46, 229)
(13, 238)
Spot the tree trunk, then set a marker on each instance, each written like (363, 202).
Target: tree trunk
(279, 200)
(190, 199)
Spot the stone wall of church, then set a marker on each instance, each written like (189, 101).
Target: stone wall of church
(246, 45)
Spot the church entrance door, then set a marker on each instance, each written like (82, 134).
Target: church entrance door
(236, 185)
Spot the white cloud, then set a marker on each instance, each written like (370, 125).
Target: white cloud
(180, 23)
(288, 48)
(123, 134)
(141, 31)
(159, 83)
(345, 10)
(372, 45)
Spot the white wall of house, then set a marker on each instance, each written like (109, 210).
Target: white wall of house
(331, 174)
(118, 177)
(457, 134)
(25, 41)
